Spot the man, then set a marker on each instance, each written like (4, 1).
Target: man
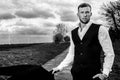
(86, 43)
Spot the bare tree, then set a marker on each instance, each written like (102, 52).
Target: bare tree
(59, 33)
(111, 12)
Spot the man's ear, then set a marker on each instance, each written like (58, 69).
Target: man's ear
(77, 14)
(91, 13)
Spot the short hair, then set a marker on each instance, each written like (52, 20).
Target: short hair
(84, 5)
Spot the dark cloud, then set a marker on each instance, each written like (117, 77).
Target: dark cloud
(44, 13)
(26, 14)
(69, 17)
(35, 14)
(66, 15)
(31, 31)
(48, 24)
(6, 16)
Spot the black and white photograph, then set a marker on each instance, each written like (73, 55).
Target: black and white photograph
(59, 39)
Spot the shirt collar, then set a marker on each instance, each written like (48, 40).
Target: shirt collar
(87, 25)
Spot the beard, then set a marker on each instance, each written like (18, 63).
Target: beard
(84, 22)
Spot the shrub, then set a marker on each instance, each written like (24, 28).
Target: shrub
(57, 38)
(66, 38)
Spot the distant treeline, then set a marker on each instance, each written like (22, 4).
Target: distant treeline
(9, 46)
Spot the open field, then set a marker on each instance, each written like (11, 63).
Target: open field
(38, 54)
(17, 54)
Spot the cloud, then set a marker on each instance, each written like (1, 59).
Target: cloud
(26, 14)
(6, 16)
(31, 31)
(23, 28)
(48, 24)
(17, 3)
(34, 13)
(20, 23)
(6, 4)
(22, 4)
(44, 13)
(61, 3)
(87, 1)
(67, 15)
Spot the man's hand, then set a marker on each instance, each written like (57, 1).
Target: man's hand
(55, 70)
(101, 76)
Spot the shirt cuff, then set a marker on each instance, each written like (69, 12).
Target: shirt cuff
(60, 67)
(106, 71)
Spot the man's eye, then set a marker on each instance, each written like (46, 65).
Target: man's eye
(87, 12)
(82, 12)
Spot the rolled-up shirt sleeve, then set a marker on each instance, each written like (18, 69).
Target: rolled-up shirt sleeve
(69, 57)
(107, 47)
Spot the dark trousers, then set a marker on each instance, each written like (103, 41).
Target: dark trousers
(26, 72)
(84, 73)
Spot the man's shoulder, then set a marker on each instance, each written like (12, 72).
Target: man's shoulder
(96, 24)
(74, 29)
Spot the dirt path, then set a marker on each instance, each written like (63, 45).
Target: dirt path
(65, 74)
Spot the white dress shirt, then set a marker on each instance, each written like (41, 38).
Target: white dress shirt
(105, 41)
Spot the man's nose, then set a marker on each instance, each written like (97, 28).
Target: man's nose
(85, 14)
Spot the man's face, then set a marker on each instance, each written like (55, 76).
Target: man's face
(84, 14)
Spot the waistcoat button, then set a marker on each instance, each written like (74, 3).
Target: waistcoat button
(81, 53)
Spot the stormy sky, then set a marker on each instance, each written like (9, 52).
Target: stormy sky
(40, 16)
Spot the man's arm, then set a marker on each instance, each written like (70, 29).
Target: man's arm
(69, 57)
(107, 47)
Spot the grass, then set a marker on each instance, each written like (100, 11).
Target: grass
(36, 54)
(17, 54)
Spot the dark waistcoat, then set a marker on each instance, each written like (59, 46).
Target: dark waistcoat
(87, 51)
